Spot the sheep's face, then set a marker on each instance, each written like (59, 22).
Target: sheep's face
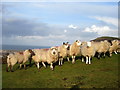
(89, 44)
(54, 51)
(31, 52)
(78, 42)
(65, 45)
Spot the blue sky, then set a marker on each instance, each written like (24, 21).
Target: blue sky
(51, 23)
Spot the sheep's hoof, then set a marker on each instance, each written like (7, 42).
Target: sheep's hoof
(52, 69)
(7, 71)
(12, 71)
(73, 62)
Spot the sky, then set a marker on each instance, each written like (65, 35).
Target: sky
(52, 23)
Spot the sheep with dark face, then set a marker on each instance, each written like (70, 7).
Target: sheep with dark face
(63, 52)
(75, 50)
(50, 56)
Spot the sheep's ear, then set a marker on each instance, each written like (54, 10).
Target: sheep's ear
(63, 43)
(76, 40)
(30, 50)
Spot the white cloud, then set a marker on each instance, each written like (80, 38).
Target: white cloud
(41, 37)
(102, 31)
(65, 31)
(72, 26)
(108, 20)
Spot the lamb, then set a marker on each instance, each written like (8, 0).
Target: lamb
(114, 47)
(63, 52)
(75, 50)
(88, 51)
(20, 57)
(50, 56)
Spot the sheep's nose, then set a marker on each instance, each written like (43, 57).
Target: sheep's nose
(53, 52)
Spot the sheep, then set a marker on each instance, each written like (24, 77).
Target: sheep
(63, 52)
(20, 57)
(12, 59)
(50, 56)
(118, 49)
(75, 50)
(99, 47)
(114, 47)
(27, 56)
(106, 47)
(88, 51)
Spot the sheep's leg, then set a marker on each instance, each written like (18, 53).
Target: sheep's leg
(73, 59)
(110, 54)
(59, 61)
(89, 60)
(86, 60)
(38, 65)
(99, 55)
(20, 66)
(51, 66)
(68, 59)
(7, 68)
(115, 52)
(25, 66)
(44, 64)
(30, 60)
(82, 59)
(104, 54)
(11, 68)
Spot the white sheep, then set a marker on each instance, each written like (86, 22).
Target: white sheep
(63, 52)
(88, 51)
(12, 59)
(114, 47)
(20, 57)
(50, 56)
(75, 50)
(99, 47)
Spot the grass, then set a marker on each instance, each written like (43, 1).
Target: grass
(101, 73)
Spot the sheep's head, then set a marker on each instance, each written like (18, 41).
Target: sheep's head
(88, 44)
(65, 45)
(78, 42)
(31, 52)
(54, 50)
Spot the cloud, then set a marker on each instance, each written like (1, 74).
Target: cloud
(60, 1)
(72, 26)
(102, 31)
(108, 20)
(65, 31)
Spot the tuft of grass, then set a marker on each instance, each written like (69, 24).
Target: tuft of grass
(102, 73)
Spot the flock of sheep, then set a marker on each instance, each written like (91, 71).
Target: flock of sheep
(86, 50)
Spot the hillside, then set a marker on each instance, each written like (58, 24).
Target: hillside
(105, 38)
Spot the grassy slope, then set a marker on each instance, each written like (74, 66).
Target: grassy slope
(100, 74)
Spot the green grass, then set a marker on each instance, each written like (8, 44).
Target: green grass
(101, 73)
